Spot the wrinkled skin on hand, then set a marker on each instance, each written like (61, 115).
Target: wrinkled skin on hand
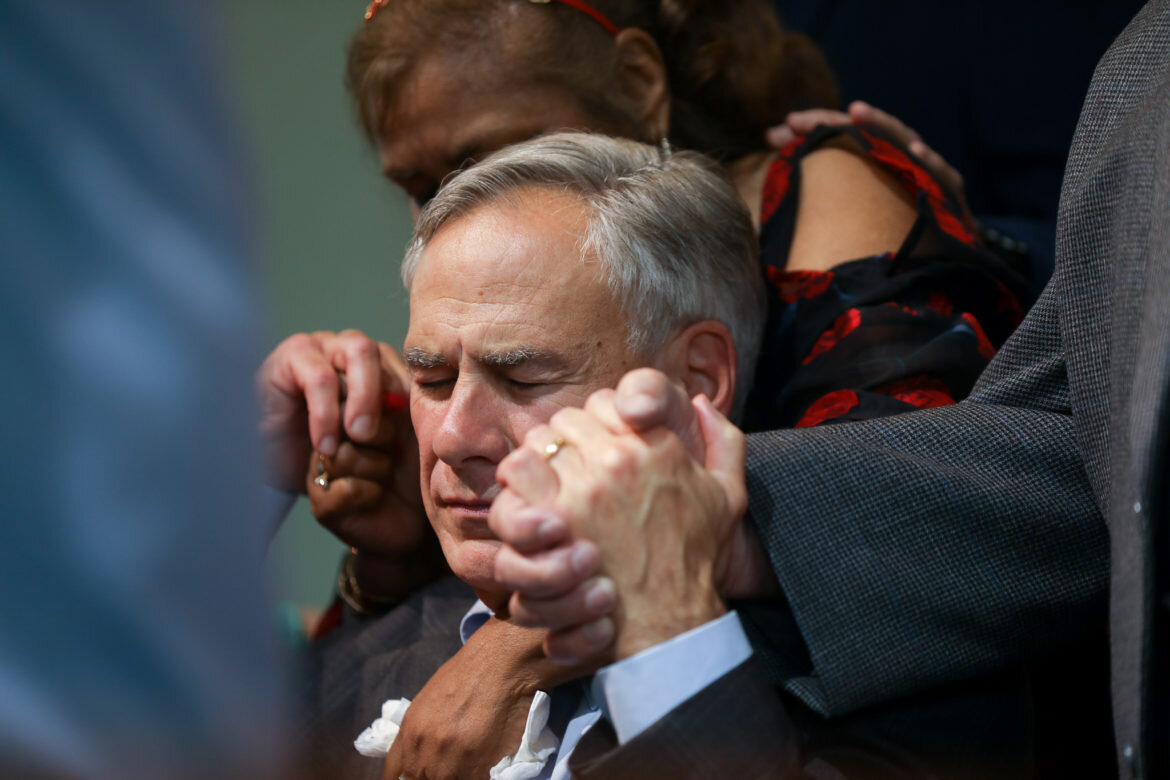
(299, 388)
(663, 523)
(323, 399)
(472, 712)
(556, 574)
(372, 501)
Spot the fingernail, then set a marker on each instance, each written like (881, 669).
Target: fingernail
(362, 427)
(328, 446)
(550, 529)
(584, 559)
(599, 632)
(599, 598)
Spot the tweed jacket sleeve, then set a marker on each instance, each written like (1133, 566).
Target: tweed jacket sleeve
(929, 547)
(948, 543)
(1115, 237)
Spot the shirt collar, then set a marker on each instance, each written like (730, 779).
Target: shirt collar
(475, 617)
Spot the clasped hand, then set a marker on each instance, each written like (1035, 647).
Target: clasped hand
(627, 532)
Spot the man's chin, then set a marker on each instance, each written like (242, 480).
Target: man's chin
(474, 563)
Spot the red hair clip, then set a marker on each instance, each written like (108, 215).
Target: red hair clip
(373, 8)
(579, 5)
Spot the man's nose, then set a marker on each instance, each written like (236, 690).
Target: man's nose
(474, 427)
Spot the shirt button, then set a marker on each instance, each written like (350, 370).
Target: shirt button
(1137, 507)
(1127, 754)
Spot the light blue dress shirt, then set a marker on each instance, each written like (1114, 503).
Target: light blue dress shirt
(638, 691)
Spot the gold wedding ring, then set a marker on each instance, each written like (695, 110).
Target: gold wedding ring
(551, 449)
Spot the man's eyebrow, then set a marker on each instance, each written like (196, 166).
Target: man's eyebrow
(417, 357)
(522, 356)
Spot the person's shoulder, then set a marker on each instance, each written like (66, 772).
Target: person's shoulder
(850, 207)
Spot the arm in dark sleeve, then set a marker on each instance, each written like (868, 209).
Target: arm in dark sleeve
(940, 545)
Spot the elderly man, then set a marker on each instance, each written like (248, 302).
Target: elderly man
(535, 279)
(540, 276)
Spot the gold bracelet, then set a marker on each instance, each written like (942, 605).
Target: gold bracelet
(360, 602)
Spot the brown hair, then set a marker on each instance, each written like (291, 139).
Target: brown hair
(733, 71)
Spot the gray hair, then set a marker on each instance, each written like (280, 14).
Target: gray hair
(674, 241)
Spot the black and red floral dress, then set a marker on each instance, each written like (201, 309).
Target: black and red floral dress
(878, 335)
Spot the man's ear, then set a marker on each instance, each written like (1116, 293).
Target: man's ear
(703, 358)
(642, 82)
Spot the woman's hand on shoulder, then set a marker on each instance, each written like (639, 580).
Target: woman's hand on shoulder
(860, 112)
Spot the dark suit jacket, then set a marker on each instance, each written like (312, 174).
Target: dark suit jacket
(948, 543)
(741, 726)
(350, 672)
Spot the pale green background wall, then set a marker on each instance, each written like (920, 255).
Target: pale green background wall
(332, 230)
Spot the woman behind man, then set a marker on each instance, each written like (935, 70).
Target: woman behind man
(908, 322)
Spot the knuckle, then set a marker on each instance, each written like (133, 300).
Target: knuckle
(600, 398)
(595, 493)
(365, 348)
(523, 618)
(620, 459)
(563, 645)
(298, 342)
(509, 465)
(505, 566)
(535, 436)
(321, 377)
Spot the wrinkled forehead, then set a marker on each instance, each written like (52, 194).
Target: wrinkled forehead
(513, 272)
(515, 233)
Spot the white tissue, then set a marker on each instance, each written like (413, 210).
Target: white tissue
(537, 745)
(376, 740)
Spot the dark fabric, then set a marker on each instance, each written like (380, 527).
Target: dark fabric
(736, 727)
(739, 728)
(348, 674)
(740, 725)
(994, 85)
(949, 542)
(879, 335)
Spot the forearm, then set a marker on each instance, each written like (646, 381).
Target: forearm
(942, 555)
(517, 655)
